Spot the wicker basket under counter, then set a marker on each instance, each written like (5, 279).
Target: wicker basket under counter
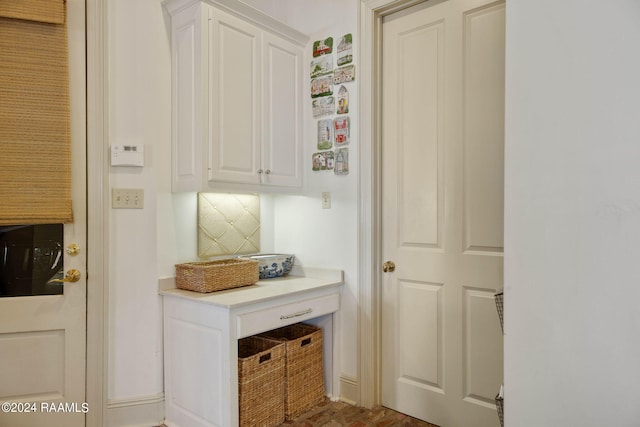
(218, 275)
(261, 370)
(304, 376)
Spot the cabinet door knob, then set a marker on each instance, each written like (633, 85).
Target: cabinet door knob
(268, 171)
(260, 171)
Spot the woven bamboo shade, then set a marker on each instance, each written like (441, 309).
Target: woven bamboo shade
(35, 140)
(50, 11)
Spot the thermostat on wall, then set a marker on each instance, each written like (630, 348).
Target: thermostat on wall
(127, 155)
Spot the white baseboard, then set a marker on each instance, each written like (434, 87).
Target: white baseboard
(148, 411)
(142, 411)
(349, 390)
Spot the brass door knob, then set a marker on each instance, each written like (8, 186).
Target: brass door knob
(389, 267)
(72, 275)
(73, 249)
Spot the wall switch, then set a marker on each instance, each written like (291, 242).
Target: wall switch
(123, 198)
(326, 200)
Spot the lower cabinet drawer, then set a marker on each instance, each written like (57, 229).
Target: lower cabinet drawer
(283, 315)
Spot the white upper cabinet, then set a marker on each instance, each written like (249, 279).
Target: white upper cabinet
(281, 112)
(237, 93)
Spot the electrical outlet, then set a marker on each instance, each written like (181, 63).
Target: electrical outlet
(123, 198)
(326, 200)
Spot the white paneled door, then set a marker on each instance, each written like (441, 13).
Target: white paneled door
(43, 333)
(442, 196)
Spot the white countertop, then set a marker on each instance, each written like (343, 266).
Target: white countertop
(300, 280)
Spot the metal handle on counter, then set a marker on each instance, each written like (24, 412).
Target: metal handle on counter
(298, 314)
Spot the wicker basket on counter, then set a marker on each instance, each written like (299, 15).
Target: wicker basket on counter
(211, 276)
(261, 367)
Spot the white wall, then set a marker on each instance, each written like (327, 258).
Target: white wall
(572, 213)
(139, 99)
(145, 244)
(572, 205)
(320, 237)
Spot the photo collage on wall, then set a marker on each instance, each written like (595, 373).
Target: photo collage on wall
(330, 102)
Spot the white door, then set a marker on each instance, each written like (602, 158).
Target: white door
(42, 338)
(442, 195)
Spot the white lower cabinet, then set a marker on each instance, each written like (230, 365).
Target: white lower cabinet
(237, 94)
(201, 333)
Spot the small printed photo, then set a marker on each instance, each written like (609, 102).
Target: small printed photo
(321, 86)
(323, 47)
(321, 66)
(325, 134)
(341, 130)
(345, 50)
(344, 74)
(323, 161)
(341, 166)
(323, 106)
(343, 100)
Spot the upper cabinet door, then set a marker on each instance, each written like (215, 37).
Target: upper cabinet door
(237, 99)
(235, 88)
(188, 92)
(282, 112)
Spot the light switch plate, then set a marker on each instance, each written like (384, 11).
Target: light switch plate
(326, 200)
(127, 198)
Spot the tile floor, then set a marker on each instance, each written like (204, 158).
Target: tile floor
(336, 414)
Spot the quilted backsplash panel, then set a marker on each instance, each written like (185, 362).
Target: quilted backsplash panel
(228, 224)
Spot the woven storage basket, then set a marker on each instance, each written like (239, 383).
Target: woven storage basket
(261, 365)
(210, 276)
(304, 385)
(500, 408)
(500, 307)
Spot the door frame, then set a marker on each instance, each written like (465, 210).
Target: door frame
(97, 215)
(370, 198)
